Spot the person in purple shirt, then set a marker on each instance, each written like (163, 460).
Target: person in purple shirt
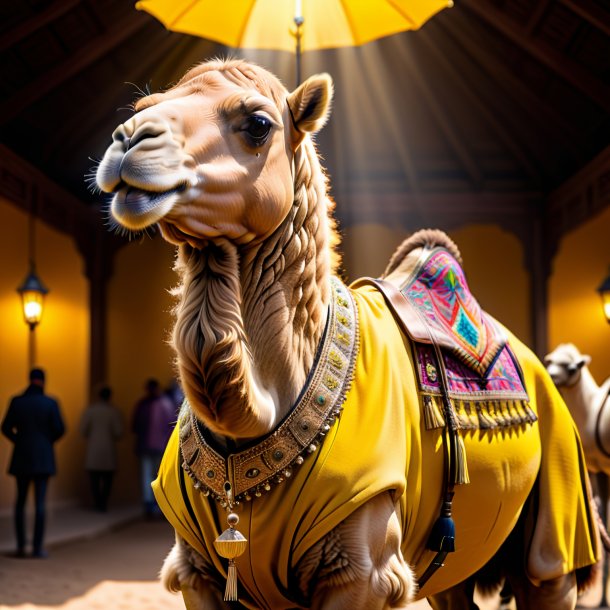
(32, 423)
(153, 420)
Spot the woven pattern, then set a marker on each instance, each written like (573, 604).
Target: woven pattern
(482, 376)
(502, 381)
(441, 295)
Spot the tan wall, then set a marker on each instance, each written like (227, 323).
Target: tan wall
(493, 263)
(576, 316)
(139, 323)
(139, 319)
(62, 341)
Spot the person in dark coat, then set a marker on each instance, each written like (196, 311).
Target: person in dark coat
(33, 423)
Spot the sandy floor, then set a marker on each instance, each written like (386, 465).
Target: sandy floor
(117, 571)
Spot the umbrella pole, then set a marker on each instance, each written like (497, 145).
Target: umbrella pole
(298, 21)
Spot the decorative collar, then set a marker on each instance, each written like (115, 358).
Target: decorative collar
(251, 472)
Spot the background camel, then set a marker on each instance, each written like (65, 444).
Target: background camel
(306, 425)
(589, 405)
(588, 402)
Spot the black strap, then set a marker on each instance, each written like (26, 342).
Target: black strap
(397, 303)
(598, 437)
(435, 564)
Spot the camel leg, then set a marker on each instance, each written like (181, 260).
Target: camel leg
(359, 565)
(460, 597)
(599, 483)
(186, 571)
(202, 599)
(506, 597)
(557, 594)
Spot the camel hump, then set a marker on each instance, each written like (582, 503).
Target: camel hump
(424, 238)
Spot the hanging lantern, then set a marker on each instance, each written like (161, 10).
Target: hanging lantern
(32, 292)
(604, 293)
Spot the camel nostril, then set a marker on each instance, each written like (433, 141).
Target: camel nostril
(144, 132)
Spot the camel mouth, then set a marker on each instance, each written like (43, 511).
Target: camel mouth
(136, 208)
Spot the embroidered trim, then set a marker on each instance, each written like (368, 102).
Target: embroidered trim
(498, 400)
(252, 471)
(449, 312)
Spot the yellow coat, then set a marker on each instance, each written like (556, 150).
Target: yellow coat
(379, 444)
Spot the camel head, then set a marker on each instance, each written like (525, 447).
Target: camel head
(212, 157)
(564, 364)
(224, 164)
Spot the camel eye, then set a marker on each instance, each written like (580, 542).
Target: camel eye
(257, 129)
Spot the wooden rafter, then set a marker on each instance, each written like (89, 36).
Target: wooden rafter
(456, 141)
(584, 194)
(558, 62)
(490, 117)
(448, 210)
(51, 13)
(537, 15)
(53, 78)
(465, 36)
(590, 12)
(104, 108)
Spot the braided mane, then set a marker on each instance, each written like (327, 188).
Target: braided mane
(233, 303)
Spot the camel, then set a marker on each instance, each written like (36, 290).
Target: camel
(588, 403)
(339, 446)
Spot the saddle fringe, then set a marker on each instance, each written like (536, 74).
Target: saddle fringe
(477, 415)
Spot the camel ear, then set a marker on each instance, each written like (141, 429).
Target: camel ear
(309, 106)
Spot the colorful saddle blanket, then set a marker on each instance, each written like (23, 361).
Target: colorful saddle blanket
(461, 348)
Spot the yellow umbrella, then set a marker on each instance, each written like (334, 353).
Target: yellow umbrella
(268, 24)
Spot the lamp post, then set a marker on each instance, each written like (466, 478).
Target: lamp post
(32, 292)
(604, 293)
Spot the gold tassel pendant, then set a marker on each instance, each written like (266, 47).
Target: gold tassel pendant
(231, 544)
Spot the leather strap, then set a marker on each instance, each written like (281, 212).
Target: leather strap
(604, 391)
(408, 316)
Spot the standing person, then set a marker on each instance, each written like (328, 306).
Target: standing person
(153, 420)
(175, 394)
(33, 423)
(102, 426)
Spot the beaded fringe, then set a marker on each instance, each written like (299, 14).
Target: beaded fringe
(477, 415)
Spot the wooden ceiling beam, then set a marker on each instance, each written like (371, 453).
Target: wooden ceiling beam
(443, 210)
(580, 198)
(559, 63)
(28, 188)
(455, 140)
(537, 15)
(104, 107)
(87, 55)
(488, 115)
(591, 13)
(25, 28)
(465, 36)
